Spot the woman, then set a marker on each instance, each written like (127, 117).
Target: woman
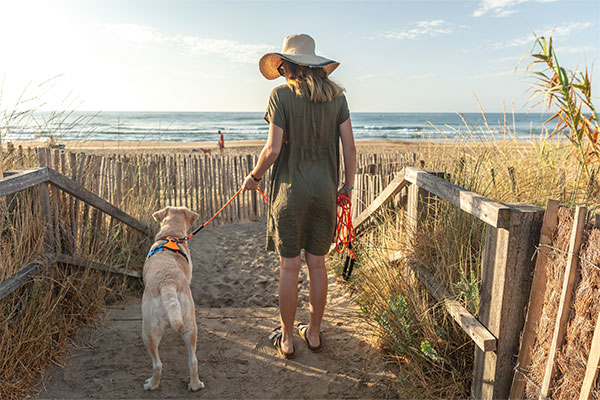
(307, 116)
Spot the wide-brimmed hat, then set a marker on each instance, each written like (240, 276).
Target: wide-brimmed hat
(298, 49)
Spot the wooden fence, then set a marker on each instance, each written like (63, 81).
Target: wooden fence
(567, 310)
(71, 224)
(101, 186)
(200, 182)
(511, 233)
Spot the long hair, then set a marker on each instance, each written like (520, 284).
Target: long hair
(311, 83)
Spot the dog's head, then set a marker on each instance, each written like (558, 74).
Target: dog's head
(175, 220)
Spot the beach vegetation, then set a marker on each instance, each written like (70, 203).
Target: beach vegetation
(570, 93)
(433, 354)
(38, 319)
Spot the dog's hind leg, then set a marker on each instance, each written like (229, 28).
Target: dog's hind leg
(152, 336)
(189, 337)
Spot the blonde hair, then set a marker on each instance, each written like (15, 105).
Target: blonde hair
(311, 83)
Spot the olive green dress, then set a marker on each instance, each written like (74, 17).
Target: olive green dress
(305, 176)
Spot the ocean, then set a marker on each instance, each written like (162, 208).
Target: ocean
(203, 126)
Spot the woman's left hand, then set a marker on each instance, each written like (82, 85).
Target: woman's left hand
(249, 183)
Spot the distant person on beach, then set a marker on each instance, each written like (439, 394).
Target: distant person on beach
(221, 142)
(307, 117)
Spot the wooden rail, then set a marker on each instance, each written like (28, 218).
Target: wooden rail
(23, 180)
(489, 211)
(475, 329)
(512, 230)
(23, 276)
(81, 193)
(17, 182)
(26, 179)
(391, 190)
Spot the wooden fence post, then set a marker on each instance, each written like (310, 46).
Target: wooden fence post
(418, 205)
(566, 296)
(506, 279)
(250, 161)
(45, 202)
(591, 370)
(415, 203)
(536, 300)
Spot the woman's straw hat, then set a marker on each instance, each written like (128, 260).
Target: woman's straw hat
(299, 49)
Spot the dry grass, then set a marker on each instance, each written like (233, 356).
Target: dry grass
(434, 355)
(572, 357)
(37, 320)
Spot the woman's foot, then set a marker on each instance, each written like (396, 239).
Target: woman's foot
(308, 338)
(284, 350)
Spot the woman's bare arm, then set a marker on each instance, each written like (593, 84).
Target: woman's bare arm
(349, 151)
(268, 155)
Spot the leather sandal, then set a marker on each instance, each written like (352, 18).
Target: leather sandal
(276, 336)
(302, 328)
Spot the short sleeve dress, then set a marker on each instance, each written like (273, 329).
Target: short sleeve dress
(305, 176)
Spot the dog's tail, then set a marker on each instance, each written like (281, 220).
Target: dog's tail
(171, 304)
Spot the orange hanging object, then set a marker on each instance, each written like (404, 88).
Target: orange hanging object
(345, 233)
(345, 230)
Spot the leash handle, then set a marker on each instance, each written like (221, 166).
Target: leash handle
(345, 229)
(345, 233)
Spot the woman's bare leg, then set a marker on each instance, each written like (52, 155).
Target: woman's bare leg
(288, 299)
(317, 278)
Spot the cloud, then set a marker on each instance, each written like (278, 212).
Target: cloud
(491, 75)
(423, 76)
(133, 33)
(556, 31)
(502, 8)
(423, 28)
(231, 49)
(192, 45)
(576, 49)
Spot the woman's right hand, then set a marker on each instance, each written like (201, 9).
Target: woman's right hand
(344, 192)
(249, 183)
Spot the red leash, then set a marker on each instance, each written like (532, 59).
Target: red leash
(345, 233)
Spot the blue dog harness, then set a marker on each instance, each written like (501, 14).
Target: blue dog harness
(172, 244)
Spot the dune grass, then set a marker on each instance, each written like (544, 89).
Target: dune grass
(433, 354)
(38, 319)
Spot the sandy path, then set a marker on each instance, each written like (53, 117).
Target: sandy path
(235, 289)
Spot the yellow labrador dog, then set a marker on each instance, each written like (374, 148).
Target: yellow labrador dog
(167, 296)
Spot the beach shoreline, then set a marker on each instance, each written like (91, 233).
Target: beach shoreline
(250, 146)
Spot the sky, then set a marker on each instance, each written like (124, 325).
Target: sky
(396, 56)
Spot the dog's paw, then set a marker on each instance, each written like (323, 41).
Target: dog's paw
(150, 384)
(195, 386)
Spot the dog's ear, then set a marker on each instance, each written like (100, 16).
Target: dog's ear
(160, 215)
(191, 217)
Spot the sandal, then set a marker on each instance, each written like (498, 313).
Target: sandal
(276, 336)
(302, 328)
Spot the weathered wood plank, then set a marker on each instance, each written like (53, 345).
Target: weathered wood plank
(491, 212)
(591, 370)
(82, 262)
(23, 276)
(386, 196)
(471, 325)
(506, 278)
(536, 300)
(22, 180)
(564, 305)
(94, 200)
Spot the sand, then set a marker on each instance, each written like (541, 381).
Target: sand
(236, 148)
(235, 289)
